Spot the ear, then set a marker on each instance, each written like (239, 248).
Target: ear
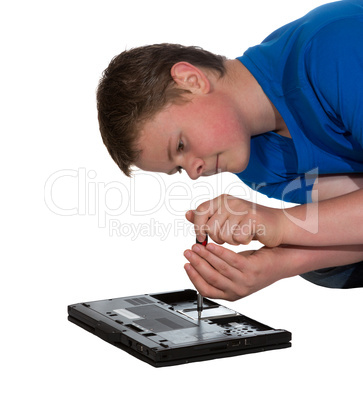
(188, 76)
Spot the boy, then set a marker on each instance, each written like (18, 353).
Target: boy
(285, 112)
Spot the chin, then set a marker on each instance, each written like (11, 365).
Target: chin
(240, 167)
(237, 170)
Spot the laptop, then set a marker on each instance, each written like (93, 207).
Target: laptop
(163, 329)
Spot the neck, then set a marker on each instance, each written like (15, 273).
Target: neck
(256, 108)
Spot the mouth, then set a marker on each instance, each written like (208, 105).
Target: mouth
(213, 172)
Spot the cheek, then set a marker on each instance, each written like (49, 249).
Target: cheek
(218, 127)
(228, 134)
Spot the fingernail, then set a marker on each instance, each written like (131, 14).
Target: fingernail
(210, 247)
(187, 254)
(196, 248)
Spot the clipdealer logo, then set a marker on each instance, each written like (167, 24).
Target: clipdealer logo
(121, 207)
(306, 182)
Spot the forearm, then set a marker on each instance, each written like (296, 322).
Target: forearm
(333, 222)
(330, 186)
(294, 260)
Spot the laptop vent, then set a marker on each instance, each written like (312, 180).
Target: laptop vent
(138, 301)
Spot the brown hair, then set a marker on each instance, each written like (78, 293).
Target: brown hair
(135, 86)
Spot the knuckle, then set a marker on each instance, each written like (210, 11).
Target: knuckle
(251, 280)
(204, 228)
(197, 261)
(241, 292)
(233, 296)
(203, 208)
(213, 279)
(243, 239)
(224, 269)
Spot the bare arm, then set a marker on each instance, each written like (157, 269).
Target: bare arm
(332, 222)
(220, 273)
(335, 218)
(327, 187)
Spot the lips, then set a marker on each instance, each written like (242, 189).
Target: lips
(212, 172)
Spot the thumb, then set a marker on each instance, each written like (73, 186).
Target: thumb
(190, 216)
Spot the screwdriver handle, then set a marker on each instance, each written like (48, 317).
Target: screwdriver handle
(203, 243)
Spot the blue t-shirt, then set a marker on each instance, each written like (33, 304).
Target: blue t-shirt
(312, 71)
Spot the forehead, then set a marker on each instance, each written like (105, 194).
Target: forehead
(154, 142)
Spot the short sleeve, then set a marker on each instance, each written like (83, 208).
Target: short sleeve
(272, 170)
(298, 190)
(334, 63)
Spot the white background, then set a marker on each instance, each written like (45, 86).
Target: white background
(59, 187)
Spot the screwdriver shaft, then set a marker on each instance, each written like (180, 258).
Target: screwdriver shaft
(199, 305)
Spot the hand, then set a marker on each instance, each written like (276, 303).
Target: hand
(227, 219)
(219, 273)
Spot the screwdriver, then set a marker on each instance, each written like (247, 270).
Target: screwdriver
(199, 296)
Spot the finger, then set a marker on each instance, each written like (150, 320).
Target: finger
(243, 232)
(202, 215)
(230, 257)
(190, 216)
(203, 287)
(224, 268)
(215, 227)
(207, 271)
(227, 232)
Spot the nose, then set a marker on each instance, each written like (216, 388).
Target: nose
(195, 168)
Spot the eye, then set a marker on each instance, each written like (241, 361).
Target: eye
(180, 146)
